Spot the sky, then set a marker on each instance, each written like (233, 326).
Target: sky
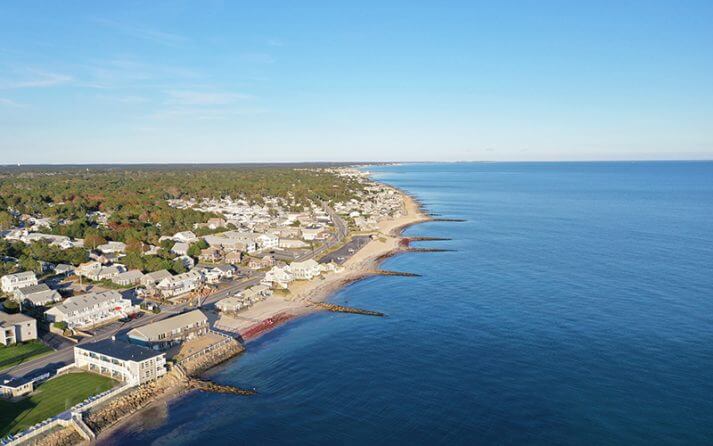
(287, 81)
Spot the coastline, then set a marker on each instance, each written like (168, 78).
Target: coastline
(364, 263)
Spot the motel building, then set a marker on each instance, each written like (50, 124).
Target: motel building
(128, 363)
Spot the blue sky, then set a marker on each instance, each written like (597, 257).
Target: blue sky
(233, 81)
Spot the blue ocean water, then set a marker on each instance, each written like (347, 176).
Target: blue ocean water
(576, 309)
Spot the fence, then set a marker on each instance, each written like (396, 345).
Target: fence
(64, 419)
(225, 341)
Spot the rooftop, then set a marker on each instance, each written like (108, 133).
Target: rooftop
(120, 350)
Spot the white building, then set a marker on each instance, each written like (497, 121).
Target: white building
(37, 295)
(170, 331)
(185, 237)
(128, 277)
(151, 279)
(12, 282)
(122, 361)
(278, 277)
(179, 284)
(90, 309)
(267, 241)
(112, 248)
(305, 270)
(16, 328)
(180, 248)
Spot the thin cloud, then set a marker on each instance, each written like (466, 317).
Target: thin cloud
(201, 98)
(35, 79)
(144, 33)
(275, 42)
(4, 102)
(129, 99)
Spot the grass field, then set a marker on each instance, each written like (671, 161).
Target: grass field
(19, 353)
(49, 399)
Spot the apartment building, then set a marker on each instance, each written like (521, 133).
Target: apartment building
(90, 309)
(122, 361)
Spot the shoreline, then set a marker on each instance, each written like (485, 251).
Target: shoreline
(364, 263)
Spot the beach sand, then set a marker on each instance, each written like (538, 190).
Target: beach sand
(386, 242)
(296, 303)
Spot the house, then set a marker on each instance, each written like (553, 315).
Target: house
(244, 299)
(233, 257)
(310, 234)
(279, 277)
(64, 269)
(215, 223)
(212, 275)
(179, 284)
(257, 292)
(211, 254)
(230, 304)
(180, 248)
(37, 295)
(267, 241)
(90, 309)
(12, 282)
(88, 268)
(170, 331)
(185, 237)
(128, 278)
(112, 248)
(16, 328)
(226, 271)
(265, 262)
(120, 360)
(106, 272)
(186, 261)
(305, 270)
(151, 279)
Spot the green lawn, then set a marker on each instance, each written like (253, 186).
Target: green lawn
(19, 353)
(50, 398)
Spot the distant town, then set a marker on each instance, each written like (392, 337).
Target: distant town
(112, 279)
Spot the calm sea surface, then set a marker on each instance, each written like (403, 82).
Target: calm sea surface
(576, 309)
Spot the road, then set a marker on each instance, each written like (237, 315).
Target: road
(65, 355)
(336, 238)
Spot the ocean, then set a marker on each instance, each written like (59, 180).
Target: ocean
(575, 308)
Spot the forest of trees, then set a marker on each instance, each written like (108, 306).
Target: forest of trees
(136, 198)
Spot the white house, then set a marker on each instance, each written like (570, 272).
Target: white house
(37, 295)
(12, 282)
(185, 237)
(106, 272)
(278, 277)
(305, 270)
(16, 328)
(151, 279)
(112, 247)
(128, 277)
(186, 261)
(180, 248)
(122, 361)
(90, 309)
(267, 241)
(179, 284)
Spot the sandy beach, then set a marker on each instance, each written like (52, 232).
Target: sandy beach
(386, 242)
(296, 303)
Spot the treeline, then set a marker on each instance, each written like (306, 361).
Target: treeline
(136, 199)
